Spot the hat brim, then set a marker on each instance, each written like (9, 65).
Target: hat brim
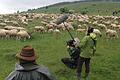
(32, 58)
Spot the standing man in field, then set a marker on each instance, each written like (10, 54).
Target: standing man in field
(88, 48)
(27, 68)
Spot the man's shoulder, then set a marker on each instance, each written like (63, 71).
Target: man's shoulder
(40, 70)
(11, 75)
(43, 69)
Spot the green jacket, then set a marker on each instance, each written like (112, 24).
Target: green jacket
(30, 72)
(88, 46)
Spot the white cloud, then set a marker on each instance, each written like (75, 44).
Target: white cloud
(11, 6)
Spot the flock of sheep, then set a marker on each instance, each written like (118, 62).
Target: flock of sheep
(10, 24)
(14, 32)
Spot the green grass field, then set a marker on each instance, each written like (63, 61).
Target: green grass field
(105, 65)
(92, 8)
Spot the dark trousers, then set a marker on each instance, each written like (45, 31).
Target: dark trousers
(82, 60)
(70, 63)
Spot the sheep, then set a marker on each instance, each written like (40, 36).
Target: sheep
(8, 27)
(97, 32)
(25, 23)
(22, 34)
(68, 26)
(39, 29)
(15, 23)
(81, 30)
(44, 23)
(3, 24)
(50, 30)
(2, 33)
(111, 33)
(114, 26)
(20, 28)
(102, 26)
(49, 26)
(12, 33)
(56, 31)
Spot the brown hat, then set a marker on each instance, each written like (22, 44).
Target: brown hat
(27, 53)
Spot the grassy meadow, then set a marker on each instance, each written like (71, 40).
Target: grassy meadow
(91, 8)
(105, 65)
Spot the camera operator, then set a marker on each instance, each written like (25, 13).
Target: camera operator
(74, 52)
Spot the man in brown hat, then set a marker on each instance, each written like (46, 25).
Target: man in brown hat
(27, 69)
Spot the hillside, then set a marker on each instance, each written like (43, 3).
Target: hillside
(91, 8)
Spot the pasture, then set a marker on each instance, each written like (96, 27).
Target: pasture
(91, 8)
(105, 65)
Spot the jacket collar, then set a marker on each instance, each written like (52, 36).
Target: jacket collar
(26, 67)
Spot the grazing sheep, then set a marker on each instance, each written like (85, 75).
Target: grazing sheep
(68, 26)
(50, 30)
(3, 24)
(2, 33)
(111, 33)
(22, 34)
(39, 29)
(8, 27)
(57, 31)
(25, 23)
(81, 30)
(49, 26)
(12, 33)
(20, 28)
(97, 32)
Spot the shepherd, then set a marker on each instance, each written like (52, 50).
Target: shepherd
(74, 52)
(27, 68)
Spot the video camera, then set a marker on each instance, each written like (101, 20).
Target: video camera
(70, 43)
(73, 42)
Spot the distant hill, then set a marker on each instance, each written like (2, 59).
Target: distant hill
(91, 7)
(104, 0)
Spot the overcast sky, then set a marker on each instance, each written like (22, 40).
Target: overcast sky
(11, 6)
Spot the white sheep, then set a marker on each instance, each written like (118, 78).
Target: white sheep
(50, 30)
(39, 29)
(12, 33)
(81, 30)
(22, 34)
(111, 33)
(57, 31)
(2, 33)
(97, 32)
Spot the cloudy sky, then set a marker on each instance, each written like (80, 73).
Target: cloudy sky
(11, 6)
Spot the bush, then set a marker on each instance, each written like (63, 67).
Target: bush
(64, 10)
(84, 12)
